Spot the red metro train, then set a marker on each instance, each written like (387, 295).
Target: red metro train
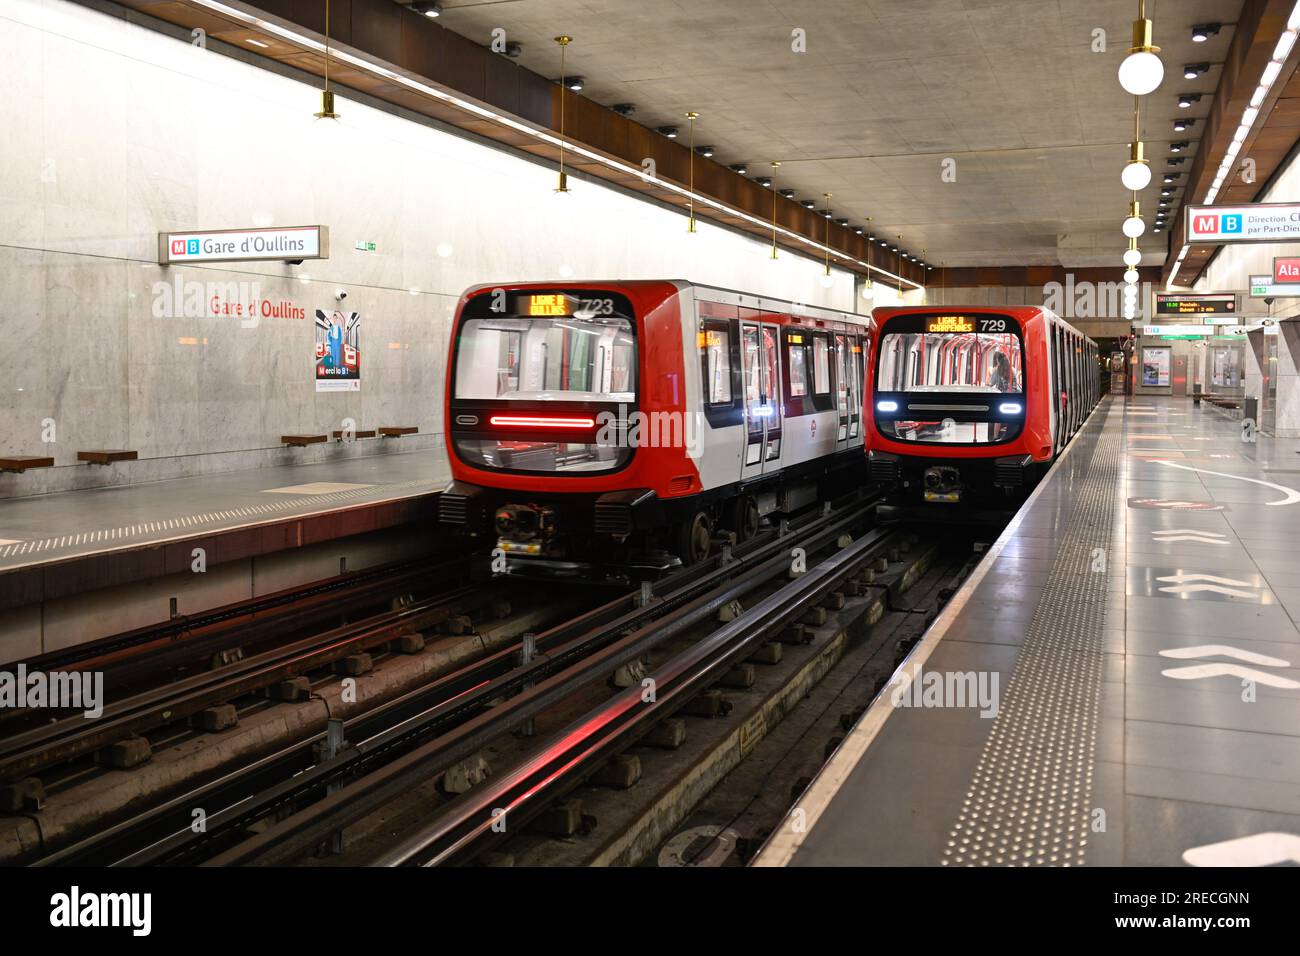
(964, 401)
(634, 423)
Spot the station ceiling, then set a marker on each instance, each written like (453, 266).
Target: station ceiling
(1011, 90)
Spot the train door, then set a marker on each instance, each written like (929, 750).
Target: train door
(857, 366)
(844, 397)
(762, 398)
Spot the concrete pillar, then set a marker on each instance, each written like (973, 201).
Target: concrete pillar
(1288, 380)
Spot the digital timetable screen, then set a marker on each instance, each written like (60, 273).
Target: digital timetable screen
(1218, 304)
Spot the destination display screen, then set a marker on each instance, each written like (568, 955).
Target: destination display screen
(1170, 304)
(548, 303)
(950, 323)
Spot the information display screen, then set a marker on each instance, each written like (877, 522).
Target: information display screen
(549, 303)
(950, 323)
(1217, 304)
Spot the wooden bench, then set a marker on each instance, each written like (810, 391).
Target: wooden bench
(397, 431)
(302, 441)
(339, 435)
(17, 464)
(106, 456)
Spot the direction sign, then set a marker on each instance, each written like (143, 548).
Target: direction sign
(1256, 222)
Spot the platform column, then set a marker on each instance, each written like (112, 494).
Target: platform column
(1288, 380)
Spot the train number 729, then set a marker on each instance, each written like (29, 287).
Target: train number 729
(993, 325)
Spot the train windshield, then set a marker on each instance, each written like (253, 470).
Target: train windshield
(556, 359)
(547, 359)
(950, 362)
(954, 379)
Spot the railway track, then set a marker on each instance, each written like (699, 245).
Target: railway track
(497, 809)
(419, 734)
(568, 660)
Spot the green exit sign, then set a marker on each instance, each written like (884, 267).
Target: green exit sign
(363, 246)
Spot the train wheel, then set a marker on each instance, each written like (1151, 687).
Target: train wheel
(694, 539)
(742, 517)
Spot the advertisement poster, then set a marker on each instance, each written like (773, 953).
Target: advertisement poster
(338, 351)
(1155, 367)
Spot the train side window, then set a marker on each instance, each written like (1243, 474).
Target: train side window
(821, 365)
(798, 366)
(715, 357)
(719, 350)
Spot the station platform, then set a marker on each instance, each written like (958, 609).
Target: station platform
(57, 544)
(1117, 683)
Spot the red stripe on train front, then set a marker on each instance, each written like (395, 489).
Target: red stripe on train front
(536, 421)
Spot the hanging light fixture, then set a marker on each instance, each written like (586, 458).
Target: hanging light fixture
(691, 117)
(1134, 225)
(327, 95)
(898, 268)
(1131, 255)
(1137, 174)
(1131, 276)
(775, 166)
(564, 41)
(827, 279)
(1141, 72)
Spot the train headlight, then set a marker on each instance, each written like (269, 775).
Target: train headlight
(1010, 408)
(886, 406)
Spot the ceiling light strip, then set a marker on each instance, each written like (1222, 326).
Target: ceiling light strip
(375, 69)
(1249, 116)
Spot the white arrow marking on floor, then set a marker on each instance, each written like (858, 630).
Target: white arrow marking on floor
(1200, 537)
(1258, 849)
(1224, 650)
(1212, 588)
(1182, 577)
(1292, 496)
(1204, 671)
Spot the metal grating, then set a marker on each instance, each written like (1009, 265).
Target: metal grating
(1029, 802)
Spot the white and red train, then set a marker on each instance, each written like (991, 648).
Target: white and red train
(966, 400)
(634, 423)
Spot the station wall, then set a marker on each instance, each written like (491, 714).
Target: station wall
(127, 132)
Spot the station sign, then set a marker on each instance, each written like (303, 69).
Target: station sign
(1263, 287)
(1286, 270)
(1255, 222)
(245, 245)
(1196, 303)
